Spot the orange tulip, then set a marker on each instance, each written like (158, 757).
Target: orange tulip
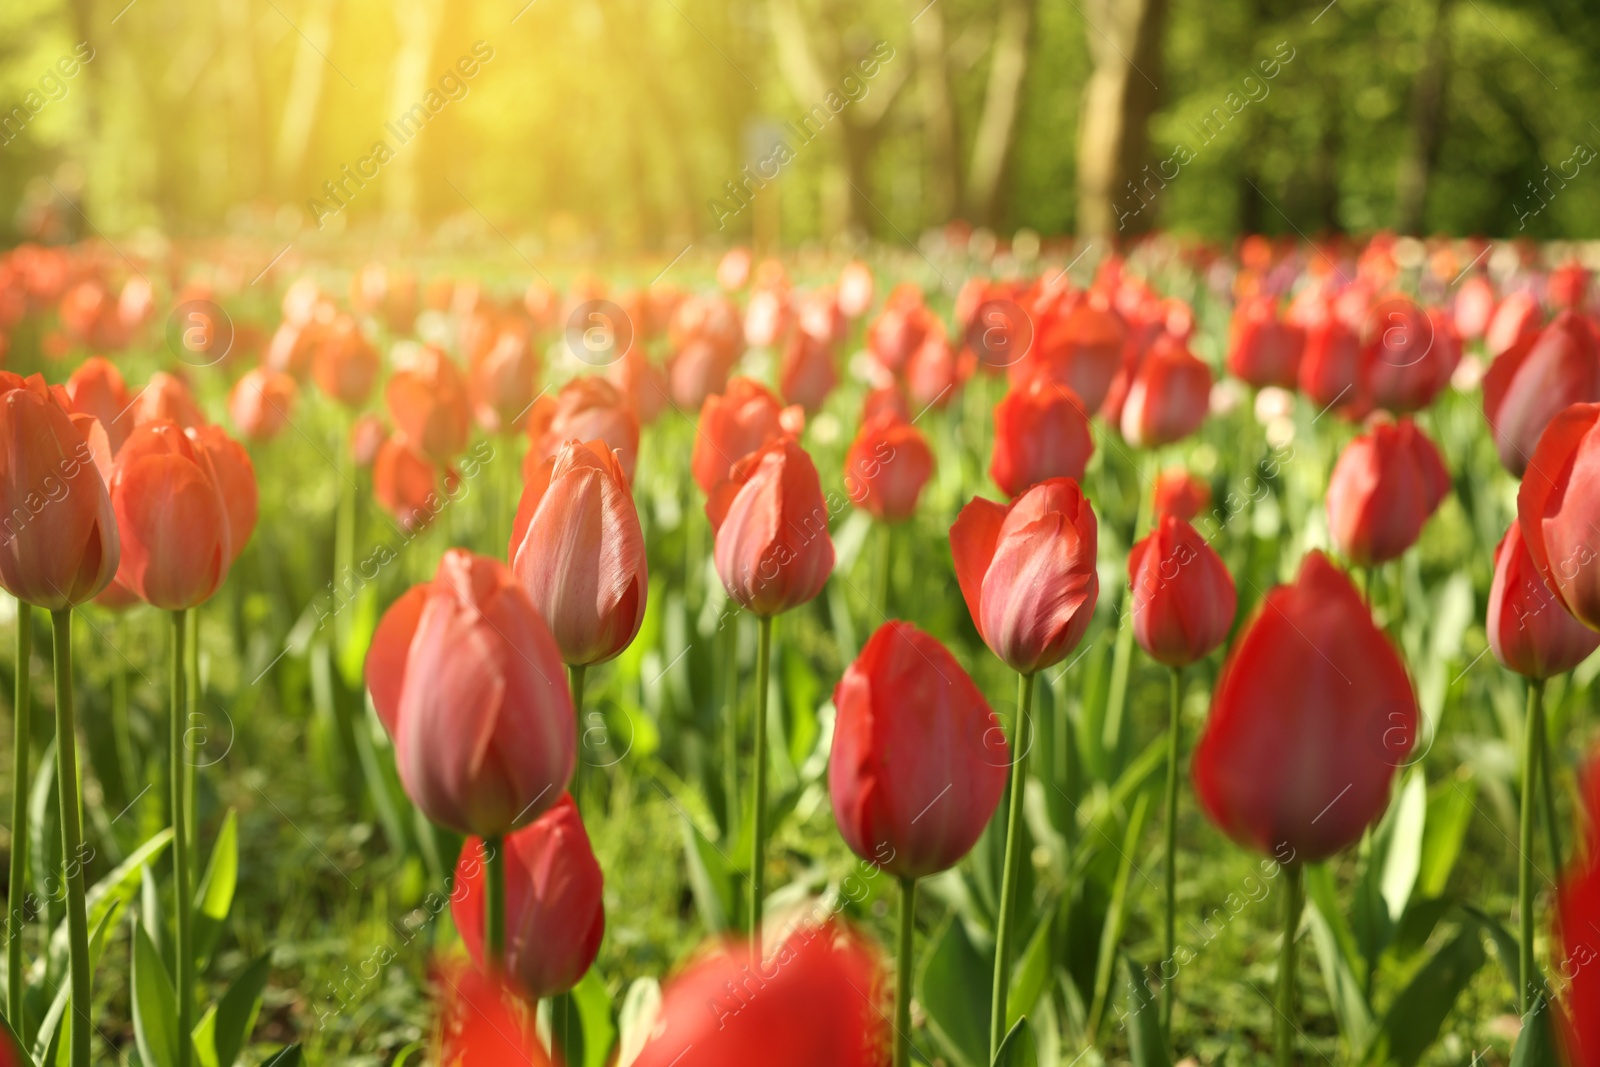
(96, 388)
(236, 481)
(345, 364)
(407, 485)
(428, 402)
(176, 532)
(167, 396)
(586, 409)
(732, 426)
(260, 403)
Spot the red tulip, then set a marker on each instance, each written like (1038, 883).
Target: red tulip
(1568, 286)
(1529, 631)
(1180, 494)
(1081, 351)
(236, 481)
(1385, 486)
(577, 549)
(808, 373)
(812, 1001)
(1474, 304)
(96, 388)
(1330, 367)
(177, 541)
(919, 761)
(470, 685)
(1265, 348)
(855, 289)
(886, 467)
(733, 270)
(60, 543)
(900, 328)
(1558, 508)
(1041, 431)
(1183, 596)
(772, 552)
(731, 426)
(166, 397)
(1534, 379)
(885, 398)
(936, 371)
(407, 485)
(586, 409)
(1312, 713)
(1517, 317)
(260, 403)
(1577, 919)
(642, 383)
(1168, 399)
(481, 1023)
(1410, 356)
(428, 403)
(502, 379)
(345, 365)
(555, 916)
(1027, 572)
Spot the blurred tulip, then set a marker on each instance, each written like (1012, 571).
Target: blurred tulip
(469, 683)
(96, 388)
(1041, 431)
(1081, 351)
(345, 365)
(367, 435)
(812, 1001)
(886, 398)
(733, 270)
(773, 552)
(260, 403)
(578, 551)
(1518, 317)
(919, 761)
(767, 317)
(1558, 508)
(808, 372)
(1410, 356)
(642, 383)
(1168, 399)
(1027, 572)
(1264, 349)
(1568, 287)
(1534, 379)
(501, 381)
(1330, 368)
(166, 396)
(886, 468)
(1183, 595)
(1529, 631)
(587, 408)
(176, 530)
(60, 543)
(428, 402)
(555, 914)
(936, 371)
(236, 480)
(731, 426)
(1474, 306)
(1180, 494)
(407, 485)
(481, 1023)
(1577, 919)
(855, 289)
(1384, 487)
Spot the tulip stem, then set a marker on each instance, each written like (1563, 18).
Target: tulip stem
(904, 972)
(191, 805)
(1174, 750)
(22, 723)
(730, 728)
(885, 563)
(575, 676)
(1530, 787)
(494, 902)
(758, 844)
(181, 895)
(1293, 903)
(72, 839)
(1552, 828)
(1011, 872)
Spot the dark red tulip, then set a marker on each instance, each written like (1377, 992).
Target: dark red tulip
(177, 540)
(1330, 367)
(60, 544)
(886, 468)
(1537, 377)
(732, 426)
(555, 914)
(1529, 630)
(1027, 572)
(919, 761)
(813, 1000)
(1183, 595)
(1312, 714)
(1081, 351)
(773, 552)
(428, 402)
(1168, 398)
(470, 685)
(1041, 431)
(1180, 494)
(577, 549)
(587, 408)
(1558, 508)
(1265, 348)
(1577, 920)
(261, 402)
(1409, 356)
(345, 365)
(96, 388)
(1385, 486)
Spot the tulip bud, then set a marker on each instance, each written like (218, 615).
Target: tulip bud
(1168, 399)
(260, 403)
(176, 531)
(236, 481)
(428, 403)
(406, 485)
(732, 426)
(555, 914)
(1265, 349)
(1180, 494)
(502, 380)
(1027, 572)
(1312, 713)
(808, 373)
(919, 761)
(577, 549)
(470, 685)
(642, 383)
(1081, 351)
(1383, 489)
(166, 397)
(900, 328)
(888, 464)
(1183, 596)
(586, 409)
(1410, 355)
(1330, 367)
(1534, 379)
(1529, 630)
(1041, 431)
(772, 552)
(345, 365)
(96, 388)
(1558, 508)
(59, 543)
(1518, 317)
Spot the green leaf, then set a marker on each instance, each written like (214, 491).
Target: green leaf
(1033, 970)
(155, 1007)
(289, 1057)
(113, 891)
(1018, 1049)
(1403, 858)
(1536, 1044)
(214, 897)
(712, 879)
(220, 1035)
(954, 989)
(1117, 914)
(1505, 946)
(1337, 954)
(44, 1040)
(1147, 1045)
(593, 1004)
(641, 1007)
(1450, 812)
(1418, 1011)
(403, 1057)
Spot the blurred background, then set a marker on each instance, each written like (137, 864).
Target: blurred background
(598, 125)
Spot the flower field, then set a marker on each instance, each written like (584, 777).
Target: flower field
(963, 654)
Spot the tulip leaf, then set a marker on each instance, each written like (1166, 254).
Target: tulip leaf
(1505, 946)
(953, 988)
(1337, 955)
(1403, 860)
(155, 1006)
(1117, 913)
(214, 897)
(1018, 1049)
(593, 1005)
(1418, 1012)
(111, 892)
(1032, 970)
(1450, 813)
(641, 1008)
(221, 1034)
(1536, 1044)
(289, 1057)
(712, 879)
(1147, 1045)
(44, 1042)
(403, 1057)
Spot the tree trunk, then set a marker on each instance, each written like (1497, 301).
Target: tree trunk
(304, 98)
(1125, 44)
(1427, 124)
(943, 175)
(1002, 101)
(1326, 181)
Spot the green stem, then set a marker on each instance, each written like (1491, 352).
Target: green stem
(344, 531)
(885, 563)
(1293, 902)
(22, 722)
(191, 759)
(1174, 754)
(182, 895)
(72, 854)
(1552, 828)
(758, 844)
(575, 678)
(1530, 787)
(561, 1028)
(730, 728)
(1011, 871)
(494, 902)
(904, 972)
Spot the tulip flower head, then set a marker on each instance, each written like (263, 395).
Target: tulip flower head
(1530, 632)
(733, 425)
(1534, 379)
(772, 552)
(1558, 508)
(1385, 486)
(1265, 349)
(480, 1022)
(260, 403)
(1041, 431)
(1168, 398)
(886, 468)
(587, 408)
(428, 402)
(1179, 493)
(1183, 596)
